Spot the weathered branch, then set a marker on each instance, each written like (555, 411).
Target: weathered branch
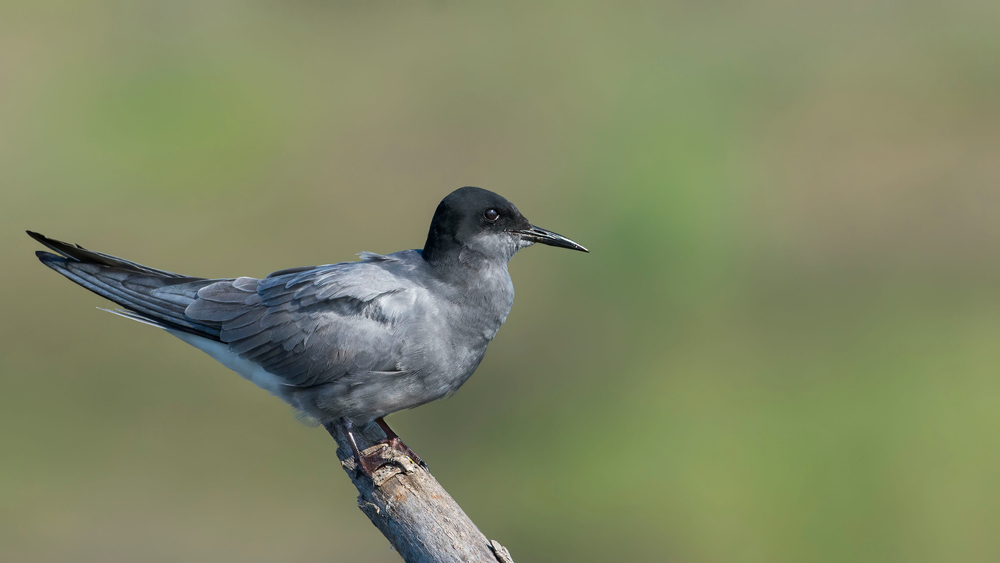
(412, 510)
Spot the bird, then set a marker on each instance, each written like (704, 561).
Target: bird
(348, 343)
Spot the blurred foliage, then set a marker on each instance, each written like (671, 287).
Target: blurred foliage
(783, 347)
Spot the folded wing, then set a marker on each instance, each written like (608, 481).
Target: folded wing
(312, 326)
(307, 326)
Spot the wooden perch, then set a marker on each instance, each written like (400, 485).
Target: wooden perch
(411, 509)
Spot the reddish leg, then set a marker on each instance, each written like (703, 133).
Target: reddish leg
(395, 443)
(366, 464)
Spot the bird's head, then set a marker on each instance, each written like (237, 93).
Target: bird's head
(484, 222)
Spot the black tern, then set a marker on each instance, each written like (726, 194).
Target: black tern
(345, 344)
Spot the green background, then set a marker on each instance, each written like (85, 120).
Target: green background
(784, 345)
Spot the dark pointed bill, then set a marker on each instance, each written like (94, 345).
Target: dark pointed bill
(544, 236)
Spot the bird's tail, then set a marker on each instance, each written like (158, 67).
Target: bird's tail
(152, 296)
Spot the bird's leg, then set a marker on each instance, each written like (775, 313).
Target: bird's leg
(394, 442)
(366, 464)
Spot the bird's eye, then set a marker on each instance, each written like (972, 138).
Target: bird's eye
(491, 215)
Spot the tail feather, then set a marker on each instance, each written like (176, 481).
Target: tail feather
(153, 296)
(132, 315)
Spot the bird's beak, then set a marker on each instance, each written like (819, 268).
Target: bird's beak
(538, 234)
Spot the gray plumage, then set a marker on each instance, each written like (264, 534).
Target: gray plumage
(353, 340)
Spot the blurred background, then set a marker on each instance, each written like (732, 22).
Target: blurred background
(784, 345)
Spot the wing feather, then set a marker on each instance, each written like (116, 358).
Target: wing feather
(336, 309)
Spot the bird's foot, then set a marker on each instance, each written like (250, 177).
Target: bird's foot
(370, 463)
(398, 445)
(387, 452)
(393, 441)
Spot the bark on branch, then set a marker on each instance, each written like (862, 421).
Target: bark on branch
(412, 510)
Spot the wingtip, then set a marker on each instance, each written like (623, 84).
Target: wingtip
(48, 258)
(44, 240)
(65, 249)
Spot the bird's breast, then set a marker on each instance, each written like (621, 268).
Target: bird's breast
(465, 320)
